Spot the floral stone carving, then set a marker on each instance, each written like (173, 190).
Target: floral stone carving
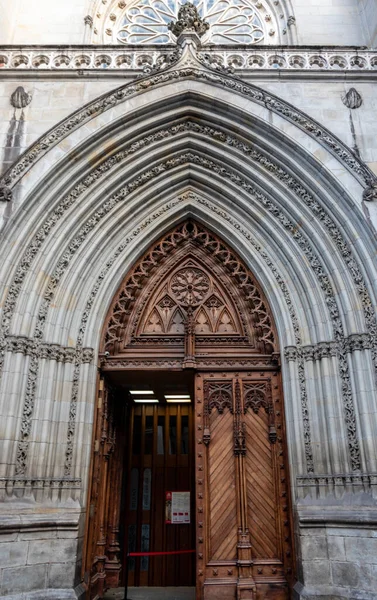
(188, 20)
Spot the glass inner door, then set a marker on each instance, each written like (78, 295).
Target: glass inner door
(160, 461)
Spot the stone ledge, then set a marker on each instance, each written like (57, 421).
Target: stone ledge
(34, 522)
(337, 516)
(130, 61)
(47, 594)
(329, 592)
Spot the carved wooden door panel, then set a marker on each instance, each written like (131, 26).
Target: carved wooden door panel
(102, 561)
(242, 493)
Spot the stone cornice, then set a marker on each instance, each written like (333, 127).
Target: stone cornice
(27, 346)
(251, 62)
(38, 489)
(355, 341)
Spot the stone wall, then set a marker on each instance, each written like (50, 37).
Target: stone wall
(339, 561)
(88, 200)
(368, 15)
(40, 553)
(319, 22)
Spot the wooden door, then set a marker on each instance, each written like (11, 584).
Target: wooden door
(102, 565)
(242, 493)
(160, 460)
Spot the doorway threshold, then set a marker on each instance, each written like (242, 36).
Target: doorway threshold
(152, 593)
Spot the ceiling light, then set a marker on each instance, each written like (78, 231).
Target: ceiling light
(142, 392)
(177, 396)
(146, 400)
(180, 400)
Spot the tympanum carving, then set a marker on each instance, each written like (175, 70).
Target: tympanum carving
(203, 302)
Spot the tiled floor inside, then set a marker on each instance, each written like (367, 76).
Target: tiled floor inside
(152, 593)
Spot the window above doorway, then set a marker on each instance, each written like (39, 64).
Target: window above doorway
(232, 22)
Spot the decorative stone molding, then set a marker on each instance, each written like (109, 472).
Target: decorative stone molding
(320, 350)
(358, 341)
(370, 193)
(308, 199)
(40, 489)
(291, 353)
(104, 59)
(88, 20)
(20, 98)
(193, 197)
(355, 341)
(188, 20)
(5, 193)
(304, 195)
(336, 485)
(271, 102)
(24, 345)
(352, 99)
(273, 209)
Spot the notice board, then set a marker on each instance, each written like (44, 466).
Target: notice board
(177, 508)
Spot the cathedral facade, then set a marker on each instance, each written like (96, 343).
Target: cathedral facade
(188, 323)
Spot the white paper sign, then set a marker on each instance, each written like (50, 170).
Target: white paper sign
(178, 508)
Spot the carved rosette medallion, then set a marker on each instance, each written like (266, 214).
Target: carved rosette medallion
(190, 286)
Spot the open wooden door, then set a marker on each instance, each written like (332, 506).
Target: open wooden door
(244, 543)
(102, 551)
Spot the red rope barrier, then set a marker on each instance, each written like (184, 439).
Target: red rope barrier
(160, 553)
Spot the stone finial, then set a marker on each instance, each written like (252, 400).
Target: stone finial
(20, 98)
(370, 193)
(88, 20)
(352, 99)
(188, 20)
(5, 193)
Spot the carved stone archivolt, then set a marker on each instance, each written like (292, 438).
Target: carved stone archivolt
(201, 302)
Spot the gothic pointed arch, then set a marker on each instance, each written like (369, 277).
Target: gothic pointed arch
(189, 296)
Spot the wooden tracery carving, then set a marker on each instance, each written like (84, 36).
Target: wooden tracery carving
(259, 395)
(189, 297)
(218, 395)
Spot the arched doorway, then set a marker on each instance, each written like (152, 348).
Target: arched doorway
(190, 325)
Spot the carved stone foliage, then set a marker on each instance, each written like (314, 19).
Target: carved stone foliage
(24, 345)
(336, 486)
(304, 194)
(370, 192)
(188, 20)
(253, 93)
(5, 193)
(190, 286)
